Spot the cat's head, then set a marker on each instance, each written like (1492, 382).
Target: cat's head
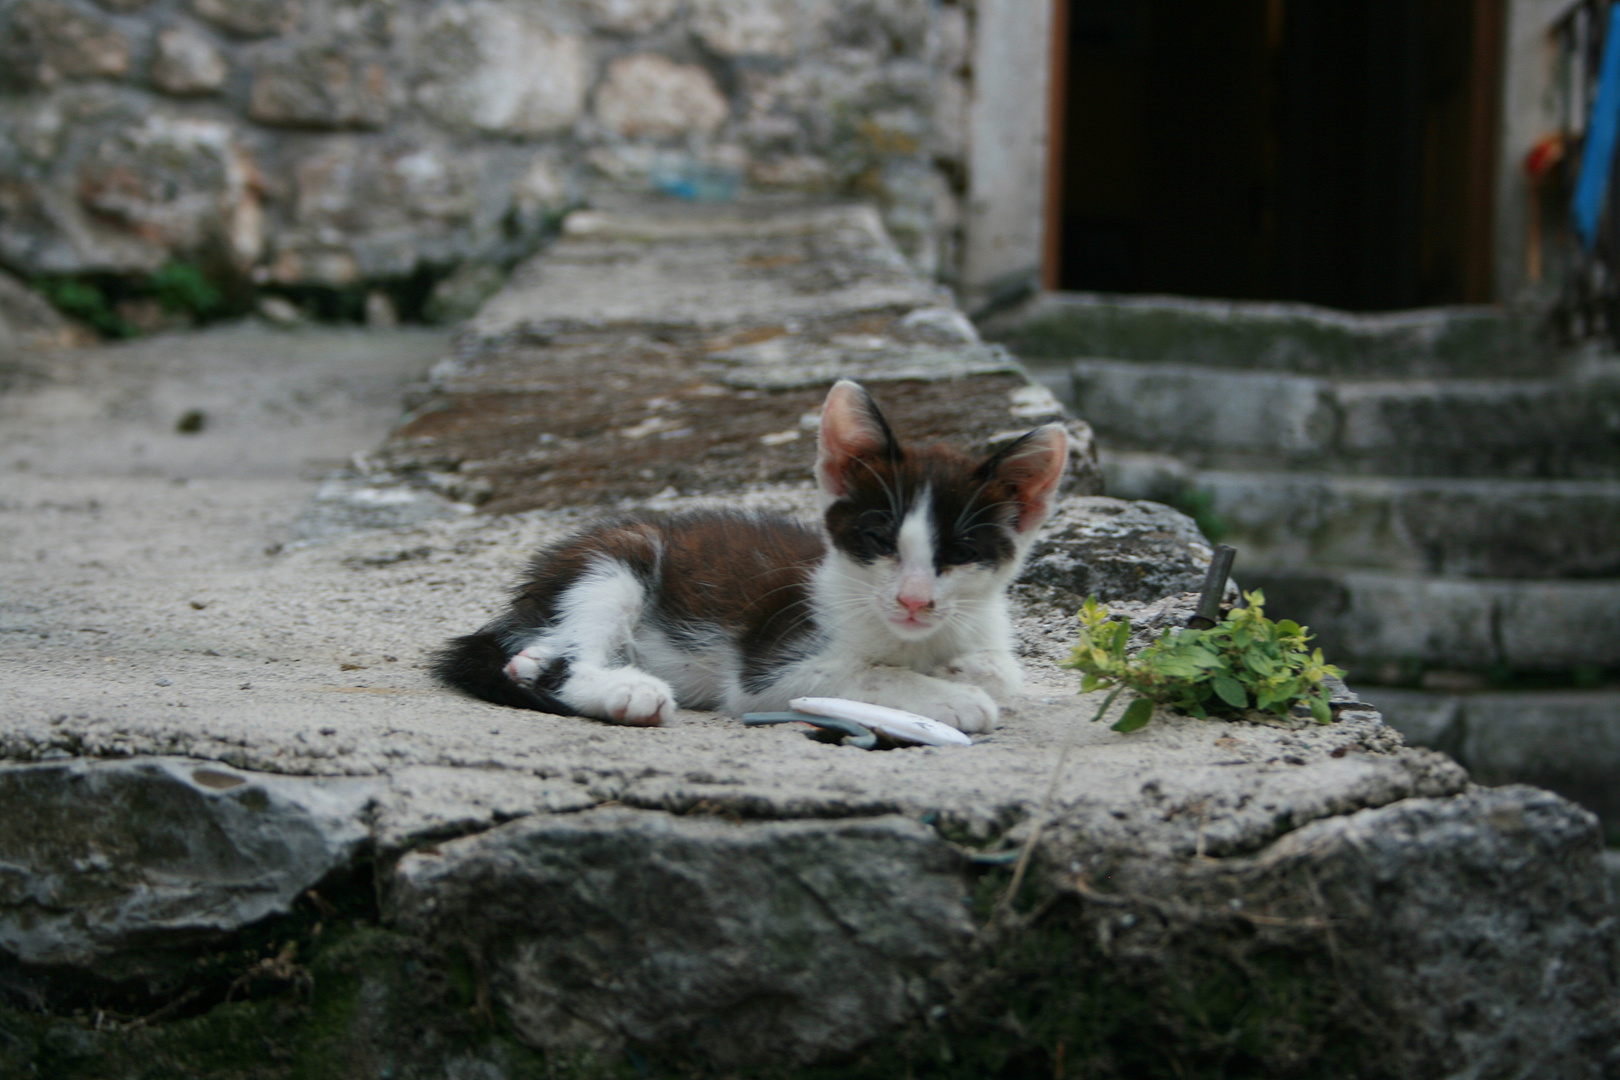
(928, 532)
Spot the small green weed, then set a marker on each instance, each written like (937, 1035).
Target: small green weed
(182, 287)
(86, 301)
(1246, 661)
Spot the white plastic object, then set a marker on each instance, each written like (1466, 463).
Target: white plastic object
(897, 724)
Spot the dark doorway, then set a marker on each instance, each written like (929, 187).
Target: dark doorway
(1331, 151)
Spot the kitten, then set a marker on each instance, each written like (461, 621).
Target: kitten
(899, 600)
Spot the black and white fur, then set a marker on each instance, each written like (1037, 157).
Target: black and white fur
(899, 599)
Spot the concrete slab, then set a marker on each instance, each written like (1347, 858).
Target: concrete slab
(1565, 740)
(1264, 421)
(1525, 529)
(1277, 337)
(1369, 618)
(706, 266)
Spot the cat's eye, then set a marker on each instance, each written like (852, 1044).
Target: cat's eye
(876, 530)
(959, 552)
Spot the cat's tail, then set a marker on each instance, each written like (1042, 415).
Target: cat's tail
(476, 664)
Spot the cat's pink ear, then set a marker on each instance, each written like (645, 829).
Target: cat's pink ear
(851, 428)
(1033, 465)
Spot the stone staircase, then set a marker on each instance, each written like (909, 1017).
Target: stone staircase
(1435, 493)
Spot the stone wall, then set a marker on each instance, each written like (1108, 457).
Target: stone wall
(334, 143)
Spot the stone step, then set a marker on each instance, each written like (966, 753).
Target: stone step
(1567, 741)
(1566, 427)
(1381, 626)
(1446, 527)
(1299, 338)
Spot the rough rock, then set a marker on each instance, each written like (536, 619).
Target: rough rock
(630, 16)
(648, 96)
(1115, 550)
(178, 185)
(119, 865)
(250, 18)
(27, 320)
(186, 63)
(46, 41)
(780, 940)
(501, 67)
(459, 295)
(320, 84)
(752, 27)
(677, 267)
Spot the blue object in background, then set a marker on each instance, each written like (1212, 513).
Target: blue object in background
(1597, 156)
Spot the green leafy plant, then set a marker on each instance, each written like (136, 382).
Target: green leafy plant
(183, 287)
(1246, 661)
(85, 300)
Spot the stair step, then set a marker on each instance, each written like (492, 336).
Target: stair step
(1445, 527)
(1566, 740)
(1370, 622)
(1523, 428)
(1299, 338)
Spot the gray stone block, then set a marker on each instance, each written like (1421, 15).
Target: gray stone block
(696, 267)
(116, 866)
(783, 941)
(1449, 527)
(1567, 741)
(1281, 337)
(1363, 619)
(1220, 419)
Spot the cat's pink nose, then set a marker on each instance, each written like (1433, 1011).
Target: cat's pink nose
(914, 605)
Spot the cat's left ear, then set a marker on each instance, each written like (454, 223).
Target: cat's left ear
(852, 429)
(1032, 465)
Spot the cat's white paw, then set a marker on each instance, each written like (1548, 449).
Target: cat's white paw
(524, 668)
(622, 695)
(971, 711)
(993, 670)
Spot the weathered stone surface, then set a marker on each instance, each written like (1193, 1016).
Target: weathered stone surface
(752, 27)
(1565, 740)
(43, 42)
(179, 185)
(463, 292)
(1228, 863)
(1299, 338)
(113, 866)
(27, 320)
(845, 110)
(187, 63)
(782, 941)
(250, 18)
(500, 67)
(1520, 428)
(320, 84)
(648, 96)
(713, 267)
(1416, 889)
(1365, 618)
(629, 16)
(1115, 550)
(1451, 527)
(361, 186)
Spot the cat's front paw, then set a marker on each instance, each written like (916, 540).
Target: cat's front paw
(524, 668)
(965, 708)
(622, 695)
(993, 670)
